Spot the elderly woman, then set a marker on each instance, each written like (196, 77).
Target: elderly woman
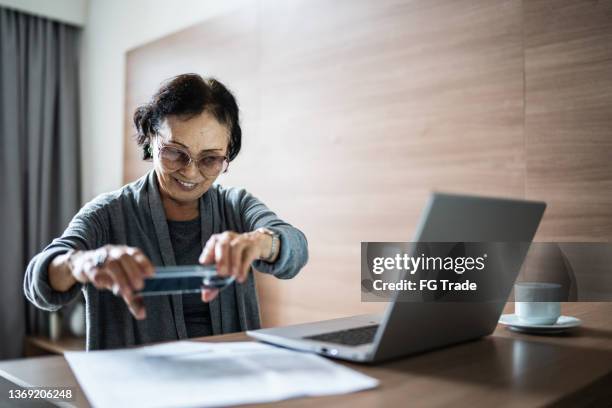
(174, 215)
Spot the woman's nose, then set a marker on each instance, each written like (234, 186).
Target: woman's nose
(191, 171)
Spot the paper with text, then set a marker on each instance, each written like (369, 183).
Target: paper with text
(186, 373)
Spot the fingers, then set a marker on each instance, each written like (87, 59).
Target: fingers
(121, 285)
(123, 272)
(135, 275)
(136, 306)
(222, 255)
(247, 258)
(208, 254)
(238, 247)
(127, 278)
(101, 279)
(97, 276)
(209, 294)
(143, 262)
(232, 253)
(217, 251)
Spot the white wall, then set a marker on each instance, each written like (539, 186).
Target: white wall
(67, 11)
(113, 27)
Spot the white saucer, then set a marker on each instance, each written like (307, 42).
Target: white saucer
(563, 323)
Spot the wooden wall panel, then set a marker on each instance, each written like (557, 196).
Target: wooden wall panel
(369, 106)
(353, 111)
(568, 81)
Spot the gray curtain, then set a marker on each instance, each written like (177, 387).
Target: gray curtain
(39, 157)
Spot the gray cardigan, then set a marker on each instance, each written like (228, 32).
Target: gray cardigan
(134, 216)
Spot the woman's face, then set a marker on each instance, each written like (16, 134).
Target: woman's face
(202, 136)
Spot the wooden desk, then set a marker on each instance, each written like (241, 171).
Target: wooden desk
(40, 345)
(505, 369)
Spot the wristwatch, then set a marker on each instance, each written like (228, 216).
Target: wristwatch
(275, 244)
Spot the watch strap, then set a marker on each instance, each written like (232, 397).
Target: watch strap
(275, 244)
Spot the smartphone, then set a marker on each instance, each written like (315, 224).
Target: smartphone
(173, 280)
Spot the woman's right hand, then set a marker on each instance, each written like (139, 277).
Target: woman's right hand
(118, 268)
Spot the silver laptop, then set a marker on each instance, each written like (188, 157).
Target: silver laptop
(406, 327)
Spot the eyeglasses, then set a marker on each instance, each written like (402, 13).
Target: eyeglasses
(174, 158)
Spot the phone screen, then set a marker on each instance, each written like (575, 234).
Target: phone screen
(183, 279)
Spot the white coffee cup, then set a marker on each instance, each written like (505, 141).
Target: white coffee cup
(537, 302)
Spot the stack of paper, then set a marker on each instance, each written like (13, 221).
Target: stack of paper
(182, 374)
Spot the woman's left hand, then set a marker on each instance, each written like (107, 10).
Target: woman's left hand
(233, 254)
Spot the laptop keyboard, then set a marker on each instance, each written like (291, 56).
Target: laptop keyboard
(350, 337)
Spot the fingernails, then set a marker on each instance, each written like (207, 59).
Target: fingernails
(138, 312)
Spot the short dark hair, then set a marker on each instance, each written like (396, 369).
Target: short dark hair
(188, 95)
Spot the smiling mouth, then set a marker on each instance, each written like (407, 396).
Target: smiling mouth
(186, 185)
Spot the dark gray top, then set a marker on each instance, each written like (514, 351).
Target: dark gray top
(185, 238)
(134, 216)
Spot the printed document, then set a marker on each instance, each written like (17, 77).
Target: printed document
(199, 374)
